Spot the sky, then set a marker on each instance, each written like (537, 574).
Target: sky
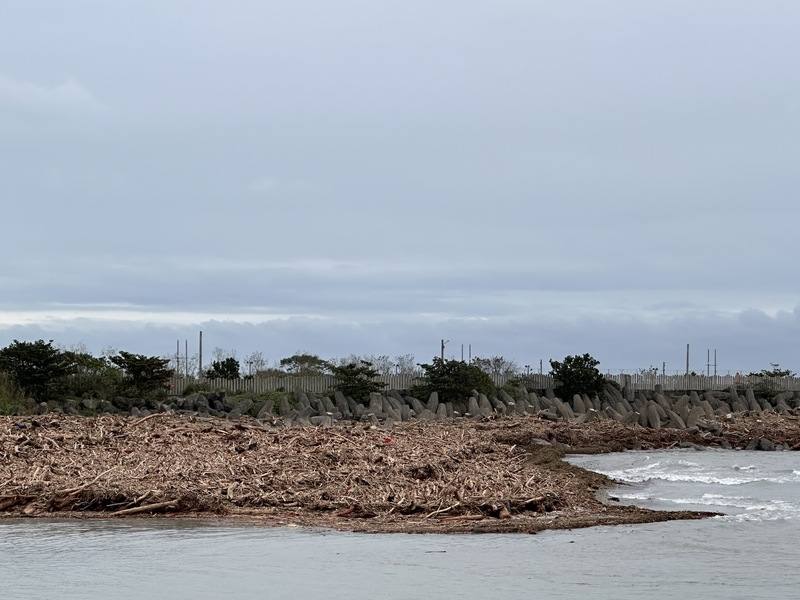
(533, 178)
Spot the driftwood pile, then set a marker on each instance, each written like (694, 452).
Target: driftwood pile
(422, 472)
(126, 466)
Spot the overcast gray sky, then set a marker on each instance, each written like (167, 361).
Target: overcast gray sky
(535, 178)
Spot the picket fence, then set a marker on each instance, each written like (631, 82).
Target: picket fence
(323, 383)
(699, 383)
(314, 383)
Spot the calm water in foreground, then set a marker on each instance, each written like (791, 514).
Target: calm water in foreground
(750, 553)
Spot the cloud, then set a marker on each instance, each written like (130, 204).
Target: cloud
(275, 187)
(300, 178)
(28, 99)
(263, 185)
(618, 342)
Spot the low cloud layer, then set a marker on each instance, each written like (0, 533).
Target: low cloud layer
(747, 340)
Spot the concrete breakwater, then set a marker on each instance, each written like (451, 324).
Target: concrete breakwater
(655, 410)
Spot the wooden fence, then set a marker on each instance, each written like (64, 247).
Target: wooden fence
(699, 383)
(317, 383)
(323, 383)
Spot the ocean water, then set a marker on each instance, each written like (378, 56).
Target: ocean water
(750, 552)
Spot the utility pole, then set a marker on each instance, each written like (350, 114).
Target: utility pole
(715, 362)
(200, 361)
(687, 360)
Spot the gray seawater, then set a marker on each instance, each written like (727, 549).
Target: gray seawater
(749, 553)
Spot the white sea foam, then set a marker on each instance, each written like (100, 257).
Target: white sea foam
(746, 486)
(643, 475)
(753, 508)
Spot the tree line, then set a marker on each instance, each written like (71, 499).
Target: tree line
(40, 371)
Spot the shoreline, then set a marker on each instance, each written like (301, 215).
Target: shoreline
(502, 475)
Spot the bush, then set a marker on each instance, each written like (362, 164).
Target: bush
(196, 388)
(38, 368)
(305, 364)
(12, 402)
(357, 380)
(143, 376)
(577, 375)
(93, 378)
(224, 369)
(454, 380)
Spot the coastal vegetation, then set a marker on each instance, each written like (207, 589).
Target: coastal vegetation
(12, 400)
(41, 373)
(578, 375)
(357, 380)
(453, 380)
(227, 368)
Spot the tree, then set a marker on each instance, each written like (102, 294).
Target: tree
(219, 354)
(775, 371)
(227, 368)
(85, 363)
(357, 380)
(454, 380)
(143, 374)
(255, 362)
(577, 375)
(38, 368)
(382, 363)
(496, 365)
(406, 364)
(95, 377)
(305, 364)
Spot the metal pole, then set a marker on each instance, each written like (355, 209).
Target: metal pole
(687, 360)
(200, 360)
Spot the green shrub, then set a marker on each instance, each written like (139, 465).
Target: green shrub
(94, 378)
(577, 375)
(357, 380)
(224, 369)
(143, 376)
(12, 401)
(454, 380)
(196, 388)
(38, 368)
